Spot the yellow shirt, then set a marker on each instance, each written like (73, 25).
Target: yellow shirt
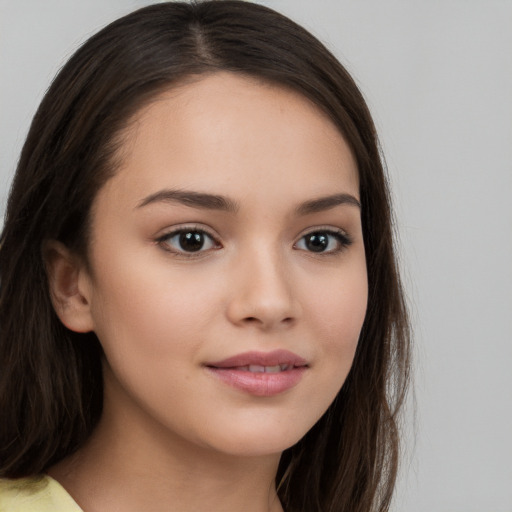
(35, 494)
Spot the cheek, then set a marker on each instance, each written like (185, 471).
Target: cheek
(150, 329)
(147, 310)
(337, 315)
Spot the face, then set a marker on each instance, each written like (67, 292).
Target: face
(228, 280)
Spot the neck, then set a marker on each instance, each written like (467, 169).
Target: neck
(131, 464)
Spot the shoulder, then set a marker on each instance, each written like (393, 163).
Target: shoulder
(35, 494)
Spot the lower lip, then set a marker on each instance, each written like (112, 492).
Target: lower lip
(259, 383)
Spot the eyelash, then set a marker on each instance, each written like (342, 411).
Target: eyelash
(164, 241)
(342, 239)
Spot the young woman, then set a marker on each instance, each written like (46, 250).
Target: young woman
(200, 307)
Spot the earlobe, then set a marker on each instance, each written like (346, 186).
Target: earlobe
(68, 282)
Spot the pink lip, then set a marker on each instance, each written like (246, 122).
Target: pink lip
(235, 372)
(261, 358)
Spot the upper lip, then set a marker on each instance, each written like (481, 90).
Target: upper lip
(273, 358)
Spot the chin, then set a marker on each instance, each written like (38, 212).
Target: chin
(258, 440)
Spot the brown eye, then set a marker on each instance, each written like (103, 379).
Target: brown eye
(191, 241)
(323, 242)
(317, 242)
(188, 241)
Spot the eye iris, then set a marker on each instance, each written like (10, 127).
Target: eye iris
(191, 241)
(317, 242)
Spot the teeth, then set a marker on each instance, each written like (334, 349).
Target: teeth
(256, 368)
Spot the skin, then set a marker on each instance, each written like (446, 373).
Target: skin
(171, 432)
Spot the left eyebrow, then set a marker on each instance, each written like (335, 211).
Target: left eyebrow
(192, 199)
(326, 203)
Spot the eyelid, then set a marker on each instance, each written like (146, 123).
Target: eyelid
(325, 229)
(186, 226)
(344, 239)
(176, 230)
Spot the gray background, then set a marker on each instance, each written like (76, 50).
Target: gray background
(438, 78)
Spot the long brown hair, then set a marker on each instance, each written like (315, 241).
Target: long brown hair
(50, 380)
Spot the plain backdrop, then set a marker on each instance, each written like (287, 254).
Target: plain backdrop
(438, 78)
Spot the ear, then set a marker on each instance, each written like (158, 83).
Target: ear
(70, 287)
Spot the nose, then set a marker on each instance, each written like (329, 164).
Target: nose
(261, 292)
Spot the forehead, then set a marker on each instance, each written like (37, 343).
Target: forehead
(224, 129)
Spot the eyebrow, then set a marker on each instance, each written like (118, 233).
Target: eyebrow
(326, 203)
(217, 202)
(193, 199)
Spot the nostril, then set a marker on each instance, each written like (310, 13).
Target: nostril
(253, 319)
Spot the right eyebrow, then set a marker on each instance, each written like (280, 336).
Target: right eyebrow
(192, 199)
(326, 203)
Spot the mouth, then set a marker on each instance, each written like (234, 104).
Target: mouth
(260, 373)
(259, 362)
(255, 368)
